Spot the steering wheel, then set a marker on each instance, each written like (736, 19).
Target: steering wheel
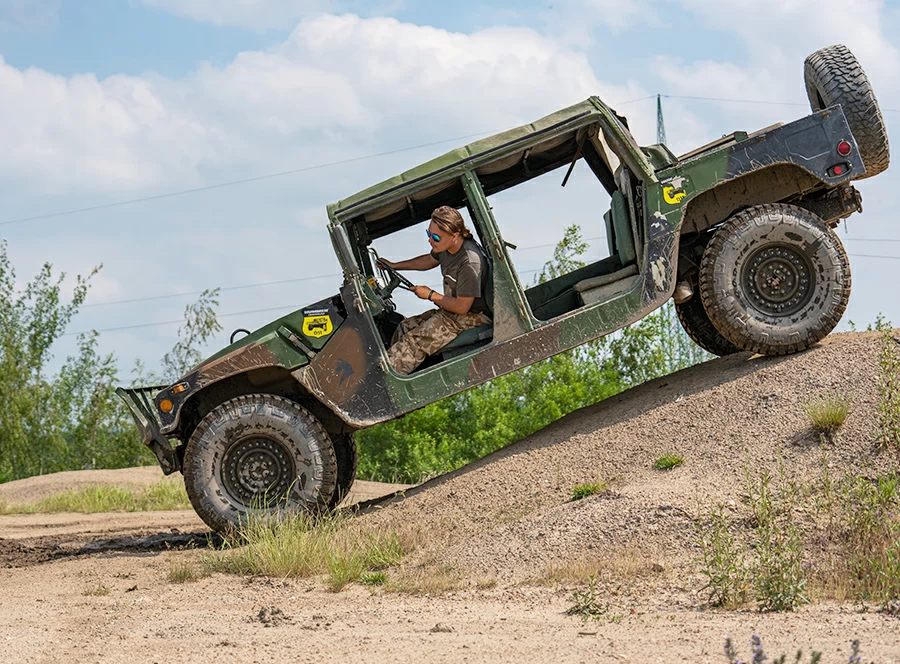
(389, 277)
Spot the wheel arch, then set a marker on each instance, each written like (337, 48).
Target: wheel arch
(774, 184)
(271, 379)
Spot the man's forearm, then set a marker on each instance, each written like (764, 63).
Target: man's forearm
(454, 305)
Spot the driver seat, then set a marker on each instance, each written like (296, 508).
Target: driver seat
(475, 335)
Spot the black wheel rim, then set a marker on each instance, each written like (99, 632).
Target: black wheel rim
(258, 472)
(778, 280)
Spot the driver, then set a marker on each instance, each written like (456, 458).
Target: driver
(461, 306)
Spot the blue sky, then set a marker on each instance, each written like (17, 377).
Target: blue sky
(108, 101)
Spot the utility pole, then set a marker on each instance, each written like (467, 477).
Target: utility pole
(660, 124)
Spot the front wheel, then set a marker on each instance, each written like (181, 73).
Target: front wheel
(258, 453)
(695, 321)
(775, 279)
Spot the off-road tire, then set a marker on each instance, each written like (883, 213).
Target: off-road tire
(258, 453)
(347, 462)
(774, 279)
(699, 327)
(833, 76)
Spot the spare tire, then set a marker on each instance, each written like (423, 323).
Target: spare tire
(834, 77)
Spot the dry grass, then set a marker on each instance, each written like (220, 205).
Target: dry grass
(429, 580)
(163, 495)
(96, 591)
(187, 571)
(625, 565)
(827, 414)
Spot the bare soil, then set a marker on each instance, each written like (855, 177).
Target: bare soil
(95, 588)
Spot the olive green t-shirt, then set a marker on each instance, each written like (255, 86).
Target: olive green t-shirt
(465, 273)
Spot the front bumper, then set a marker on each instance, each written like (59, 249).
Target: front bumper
(140, 402)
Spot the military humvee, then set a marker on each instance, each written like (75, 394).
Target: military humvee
(738, 232)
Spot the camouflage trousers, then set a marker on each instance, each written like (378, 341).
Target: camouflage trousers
(417, 337)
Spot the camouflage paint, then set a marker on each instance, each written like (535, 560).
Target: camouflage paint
(345, 367)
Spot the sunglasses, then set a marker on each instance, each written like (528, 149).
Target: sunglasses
(433, 236)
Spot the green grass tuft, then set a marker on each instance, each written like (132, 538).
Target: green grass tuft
(163, 495)
(668, 461)
(299, 545)
(373, 578)
(828, 414)
(580, 491)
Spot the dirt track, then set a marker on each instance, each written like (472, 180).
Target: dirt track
(504, 520)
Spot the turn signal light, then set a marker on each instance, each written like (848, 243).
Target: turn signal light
(165, 406)
(844, 148)
(181, 387)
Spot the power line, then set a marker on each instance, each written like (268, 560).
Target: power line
(274, 283)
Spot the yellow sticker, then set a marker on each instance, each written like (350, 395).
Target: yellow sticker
(317, 326)
(672, 196)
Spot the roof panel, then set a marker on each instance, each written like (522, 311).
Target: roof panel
(456, 159)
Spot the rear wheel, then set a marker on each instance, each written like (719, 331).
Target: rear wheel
(699, 328)
(261, 454)
(833, 76)
(774, 279)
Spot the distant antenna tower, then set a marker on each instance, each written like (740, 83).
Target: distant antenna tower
(660, 124)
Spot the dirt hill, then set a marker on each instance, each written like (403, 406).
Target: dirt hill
(509, 517)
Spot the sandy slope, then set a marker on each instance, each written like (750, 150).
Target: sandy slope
(503, 520)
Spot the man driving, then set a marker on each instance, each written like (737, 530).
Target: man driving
(461, 306)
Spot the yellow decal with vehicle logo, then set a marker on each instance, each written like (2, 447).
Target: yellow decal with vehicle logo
(317, 323)
(673, 196)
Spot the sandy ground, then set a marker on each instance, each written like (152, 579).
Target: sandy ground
(499, 524)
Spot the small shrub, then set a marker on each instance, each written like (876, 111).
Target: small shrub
(828, 414)
(888, 388)
(668, 461)
(586, 603)
(722, 562)
(580, 491)
(187, 572)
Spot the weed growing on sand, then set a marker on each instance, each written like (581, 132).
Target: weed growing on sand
(300, 545)
(872, 537)
(888, 412)
(778, 575)
(163, 495)
(580, 491)
(96, 591)
(827, 414)
(759, 655)
(373, 578)
(186, 572)
(668, 461)
(722, 561)
(587, 603)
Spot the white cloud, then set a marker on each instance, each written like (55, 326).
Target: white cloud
(253, 14)
(338, 86)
